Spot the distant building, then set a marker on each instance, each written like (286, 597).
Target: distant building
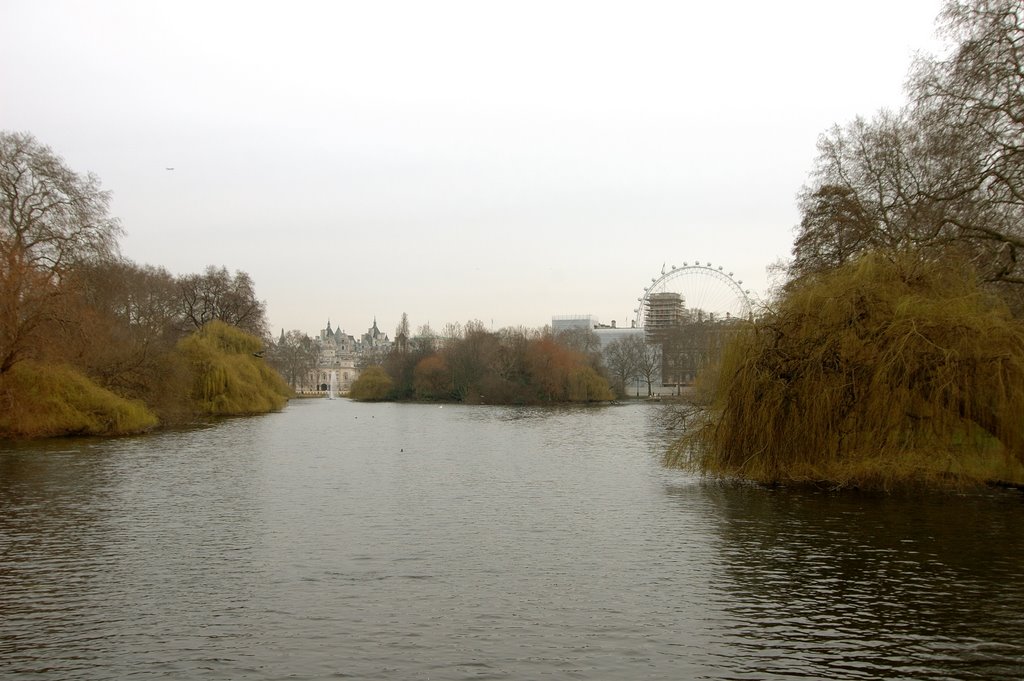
(375, 340)
(337, 355)
(606, 333)
(610, 334)
(340, 355)
(566, 322)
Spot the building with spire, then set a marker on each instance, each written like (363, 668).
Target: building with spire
(337, 356)
(340, 355)
(374, 340)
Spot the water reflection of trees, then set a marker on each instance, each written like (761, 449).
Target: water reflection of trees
(854, 586)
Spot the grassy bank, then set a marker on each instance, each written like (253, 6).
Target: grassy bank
(216, 371)
(41, 400)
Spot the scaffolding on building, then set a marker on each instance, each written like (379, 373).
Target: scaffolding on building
(662, 311)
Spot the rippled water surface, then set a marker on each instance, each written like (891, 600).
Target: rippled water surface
(344, 540)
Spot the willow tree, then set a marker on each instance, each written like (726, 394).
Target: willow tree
(896, 349)
(879, 372)
(52, 220)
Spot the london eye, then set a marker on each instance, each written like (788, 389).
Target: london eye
(708, 293)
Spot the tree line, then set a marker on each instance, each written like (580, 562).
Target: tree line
(631, 365)
(473, 365)
(69, 299)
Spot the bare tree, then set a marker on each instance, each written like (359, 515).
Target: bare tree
(51, 220)
(621, 359)
(868, 193)
(972, 105)
(126, 319)
(402, 335)
(582, 340)
(944, 176)
(216, 294)
(425, 340)
(140, 297)
(294, 356)
(471, 358)
(648, 360)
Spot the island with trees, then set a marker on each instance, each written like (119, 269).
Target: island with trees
(472, 365)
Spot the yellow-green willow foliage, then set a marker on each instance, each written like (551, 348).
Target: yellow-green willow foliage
(229, 378)
(373, 384)
(875, 374)
(586, 385)
(43, 400)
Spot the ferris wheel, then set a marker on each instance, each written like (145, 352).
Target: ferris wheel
(707, 291)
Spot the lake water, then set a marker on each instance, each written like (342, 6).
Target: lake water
(384, 541)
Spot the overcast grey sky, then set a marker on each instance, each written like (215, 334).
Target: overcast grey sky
(453, 160)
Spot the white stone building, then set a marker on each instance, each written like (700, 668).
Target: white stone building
(338, 353)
